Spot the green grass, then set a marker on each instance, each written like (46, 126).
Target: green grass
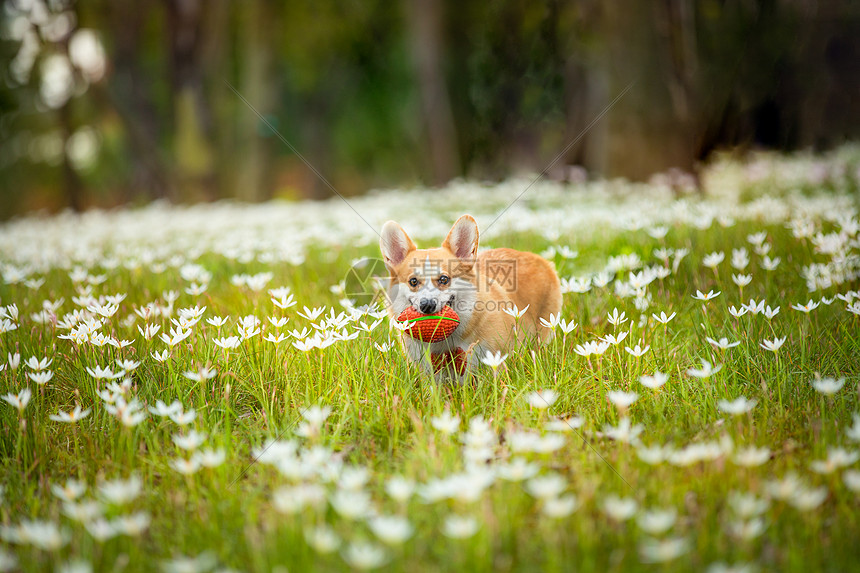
(381, 419)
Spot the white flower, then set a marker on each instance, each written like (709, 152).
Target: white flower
(312, 313)
(176, 336)
(657, 521)
(736, 407)
(751, 456)
(654, 455)
(625, 431)
(806, 308)
(828, 386)
(9, 562)
(723, 343)
(757, 239)
(70, 417)
(612, 339)
(740, 258)
(769, 312)
(742, 280)
(391, 529)
(655, 380)
(459, 527)
(446, 423)
(852, 480)
(292, 500)
(494, 359)
(46, 535)
(203, 562)
(127, 365)
(306, 345)
(37, 365)
(547, 486)
(837, 458)
(567, 327)
(705, 371)
(770, 264)
(190, 441)
(183, 418)
(384, 347)
(747, 529)
(227, 342)
(132, 524)
(72, 490)
(705, 297)
(277, 322)
(399, 488)
(560, 506)
(616, 319)
(784, 488)
(351, 504)
(517, 313)
(542, 398)
(657, 232)
(316, 415)
(806, 499)
(161, 356)
(518, 469)
(713, 259)
(323, 539)
(218, 321)
(19, 400)
(106, 373)
(121, 492)
(41, 378)
(210, 458)
(637, 351)
(284, 300)
(737, 313)
(84, 511)
(353, 478)
(362, 555)
(619, 508)
(621, 399)
(202, 375)
(564, 424)
(162, 409)
(184, 466)
(747, 505)
(754, 307)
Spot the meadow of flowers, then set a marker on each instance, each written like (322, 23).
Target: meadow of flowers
(191, 388)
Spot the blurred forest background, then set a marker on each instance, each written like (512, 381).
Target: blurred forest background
(108, 102)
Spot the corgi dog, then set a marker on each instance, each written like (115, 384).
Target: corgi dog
(478, 287)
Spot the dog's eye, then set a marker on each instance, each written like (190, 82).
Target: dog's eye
(413, 282)
(443, 280)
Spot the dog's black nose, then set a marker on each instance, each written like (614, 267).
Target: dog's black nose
(427, 306)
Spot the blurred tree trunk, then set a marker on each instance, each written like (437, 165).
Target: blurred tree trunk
(72, 187)
(194, 153)
(427, 43)
(256, 86)
(650, 128)
(130, 95)
(215, 52)
(316, 136)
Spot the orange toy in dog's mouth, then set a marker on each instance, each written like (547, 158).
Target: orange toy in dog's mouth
(430, 327)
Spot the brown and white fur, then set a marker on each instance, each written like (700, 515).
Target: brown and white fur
(478, 288)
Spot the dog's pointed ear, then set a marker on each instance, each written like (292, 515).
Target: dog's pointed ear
(395, 244)
(462, 239)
